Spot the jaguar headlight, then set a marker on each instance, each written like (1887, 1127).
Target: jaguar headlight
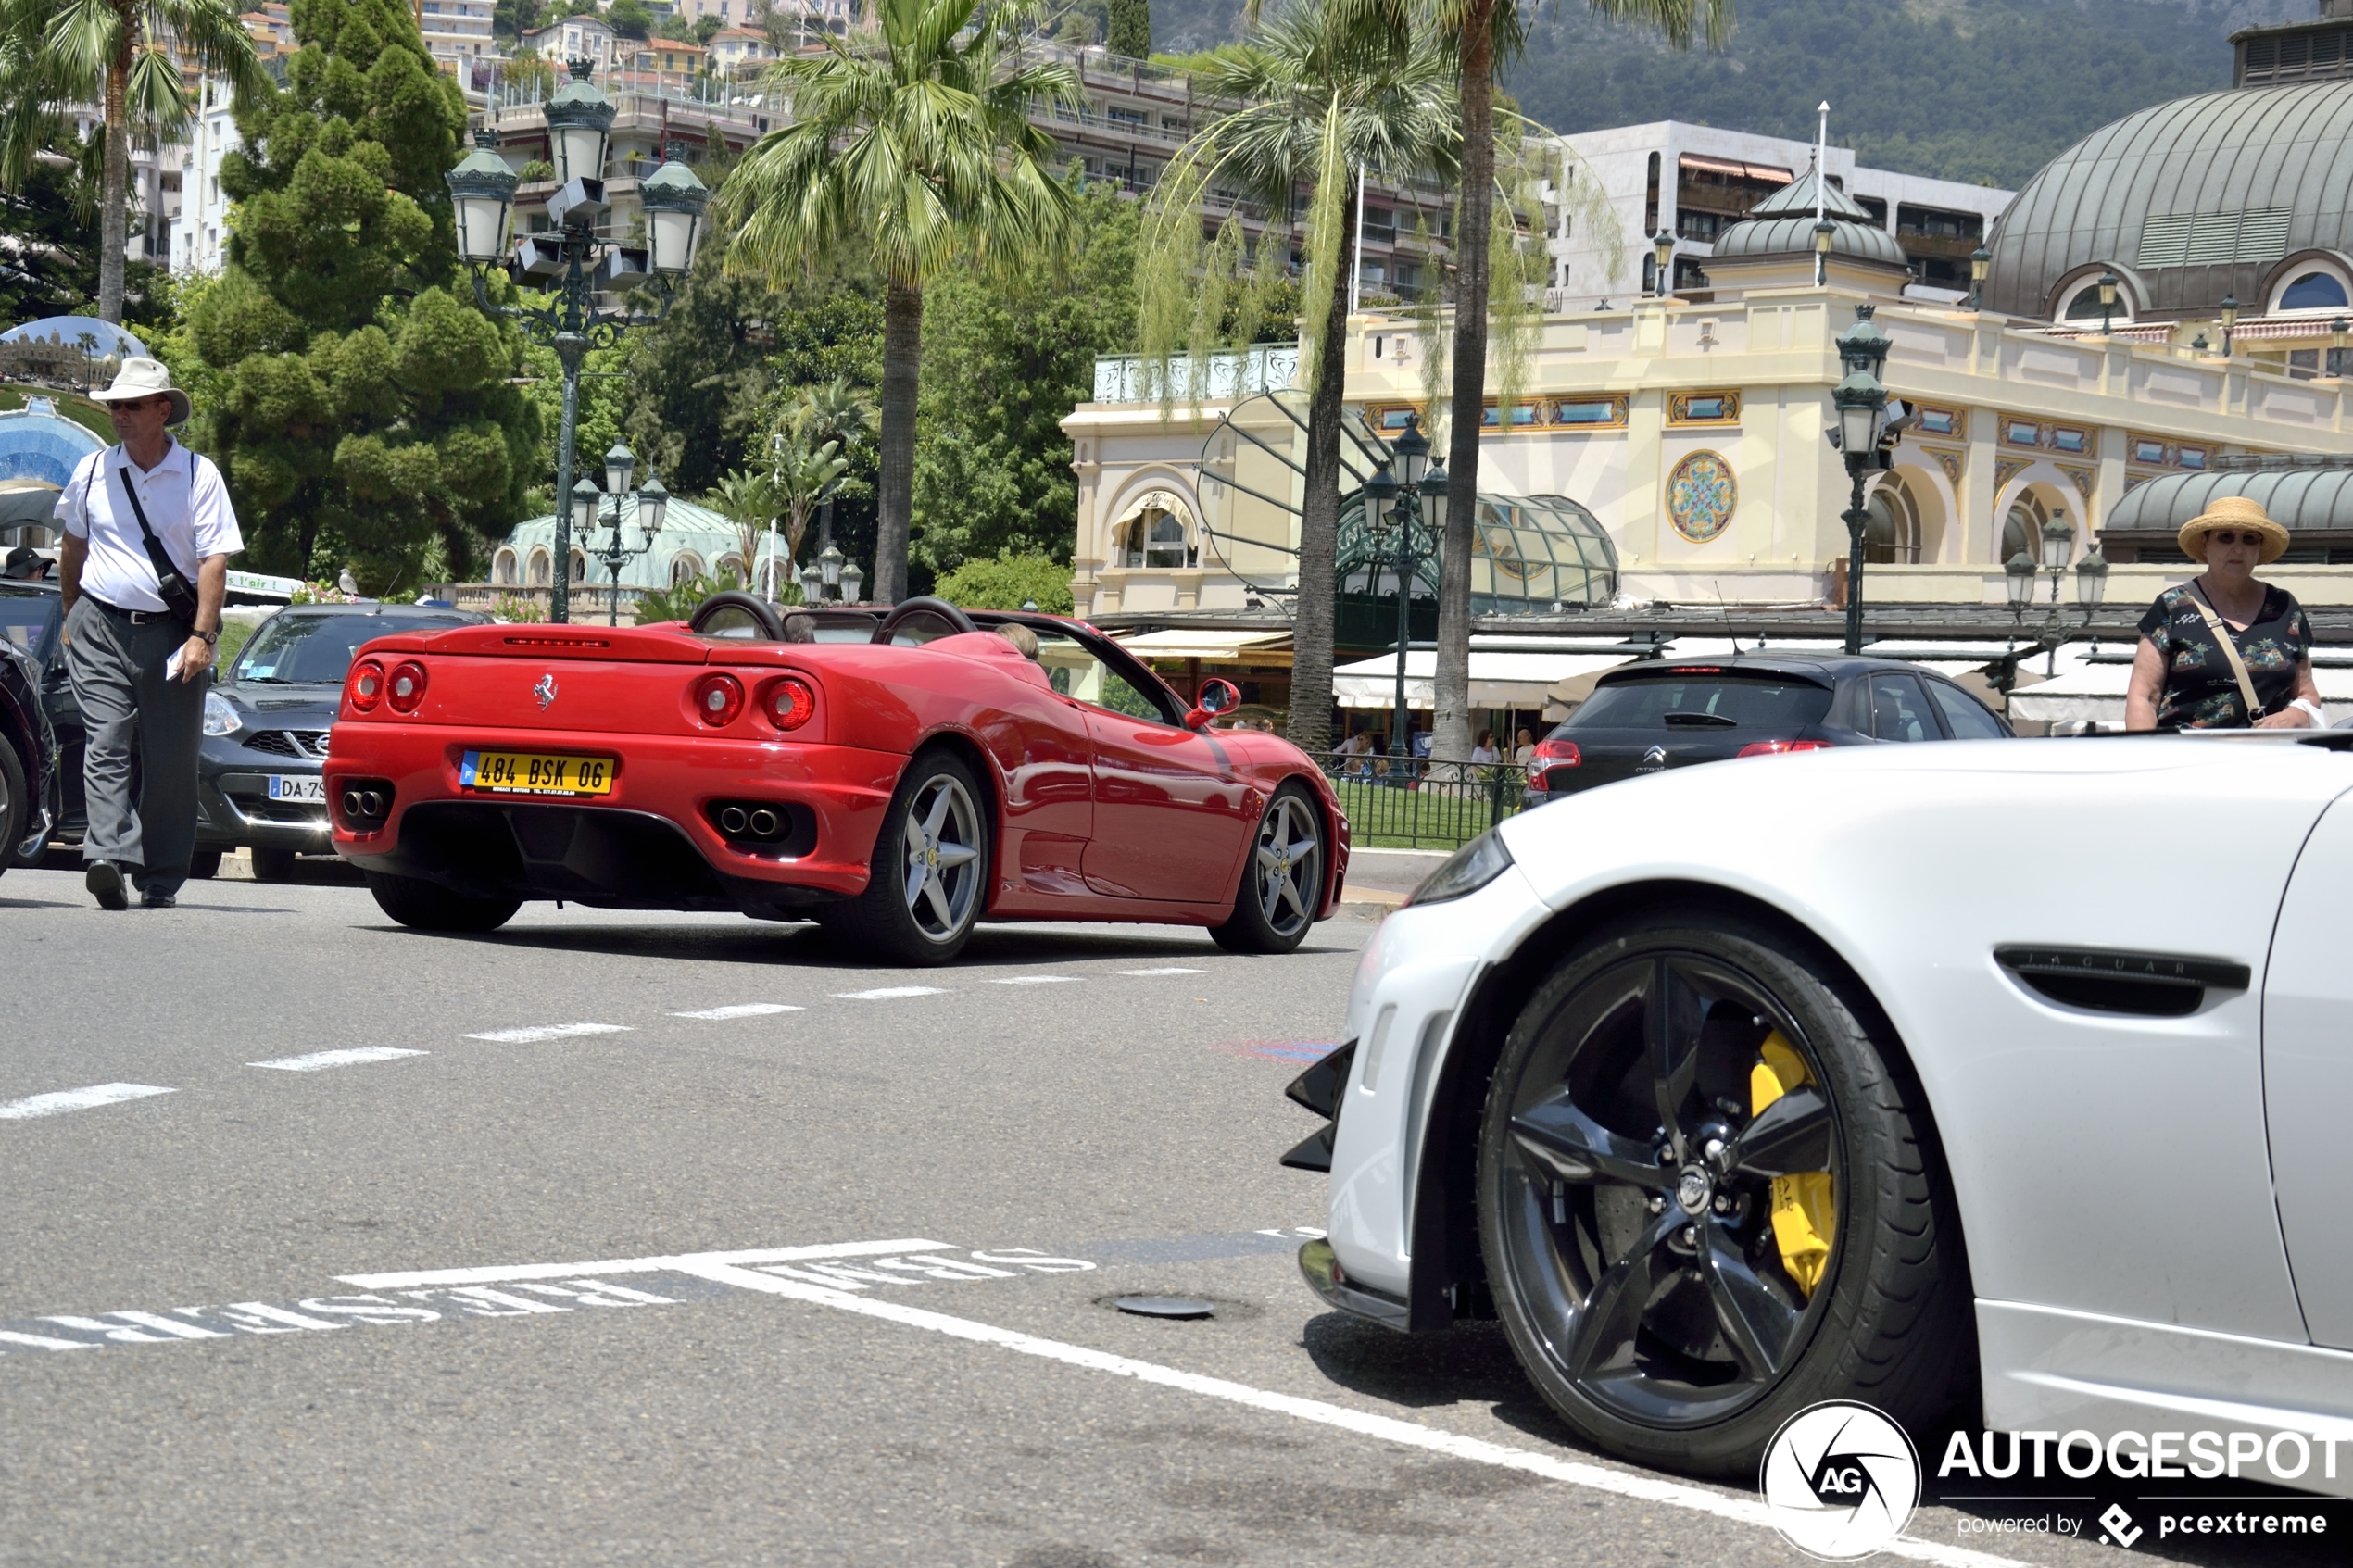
(220, 719)
(1466, 872)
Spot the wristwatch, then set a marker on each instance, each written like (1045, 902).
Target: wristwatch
(212, 636)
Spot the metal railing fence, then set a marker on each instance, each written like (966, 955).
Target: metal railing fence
(1414, 803)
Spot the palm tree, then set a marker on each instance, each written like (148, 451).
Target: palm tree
(803, 474)
(911, 141)
(1329, 88)
(1486, 34)
(836, 411)
(748, 499)
(117, 52)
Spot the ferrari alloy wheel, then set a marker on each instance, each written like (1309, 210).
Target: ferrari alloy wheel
(1704, 1202)
(428, 906)
(930, 877)
(1282, 883)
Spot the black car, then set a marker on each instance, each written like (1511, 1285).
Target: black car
(258, 777)
(1648, 717)
(29, 767)
(30, 626)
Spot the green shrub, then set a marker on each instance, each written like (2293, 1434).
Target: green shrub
(1006, 581)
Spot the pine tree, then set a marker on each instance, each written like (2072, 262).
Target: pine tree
(365, 411)
(1130, 32)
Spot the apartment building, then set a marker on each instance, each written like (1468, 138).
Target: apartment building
(1698, 181)
(456, 32)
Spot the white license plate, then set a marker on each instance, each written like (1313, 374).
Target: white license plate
(299, 786)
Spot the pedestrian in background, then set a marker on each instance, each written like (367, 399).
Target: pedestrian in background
(2224, 650)
(142, 573)
(1525, 751)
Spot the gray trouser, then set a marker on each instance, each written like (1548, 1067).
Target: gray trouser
(116, 669)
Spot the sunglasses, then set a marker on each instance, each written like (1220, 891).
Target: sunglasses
(137, 405)
(2233, 537)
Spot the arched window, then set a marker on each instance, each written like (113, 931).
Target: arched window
(2315, 291)
(502, 568)
(729, 565)
(542, 569)
(1891, 536)
(2084, 305)
(2022, 529)
(579, 567)
(685, 564)
(1162, 536)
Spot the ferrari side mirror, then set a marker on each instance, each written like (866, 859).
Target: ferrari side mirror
(1216, 696)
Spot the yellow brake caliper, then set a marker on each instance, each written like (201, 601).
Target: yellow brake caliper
(1805, 1210)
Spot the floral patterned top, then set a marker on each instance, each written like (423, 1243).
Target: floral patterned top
(2200, 692)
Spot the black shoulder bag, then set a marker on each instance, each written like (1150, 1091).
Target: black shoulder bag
(178, 596)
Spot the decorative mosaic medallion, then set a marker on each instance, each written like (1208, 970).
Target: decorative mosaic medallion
(1701, 495)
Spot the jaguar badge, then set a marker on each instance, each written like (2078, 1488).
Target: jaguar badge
(544, 690)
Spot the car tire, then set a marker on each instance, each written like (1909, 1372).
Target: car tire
(427, 905)
(272, 865)
(1282, 881)
(930, 881)
(1647, 1281)
(16, 804)
(203, 864)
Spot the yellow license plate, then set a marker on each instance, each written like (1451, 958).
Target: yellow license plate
(527, 773)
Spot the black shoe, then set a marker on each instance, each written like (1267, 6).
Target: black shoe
(157, 901)
(103, 879)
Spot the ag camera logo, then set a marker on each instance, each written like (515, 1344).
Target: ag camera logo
(1839, 1480)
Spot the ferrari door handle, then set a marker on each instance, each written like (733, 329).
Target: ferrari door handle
(2113, 979)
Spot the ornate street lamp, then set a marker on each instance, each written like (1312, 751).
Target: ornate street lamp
(566, 318)
(2091, 582)
(2058, 548)
(2020, 572)
(2107, 300)
(1862, 436)
(652, 502)
(1663, 252)
(2230, 321)
(1980, 262)
(1823, 231)
(2335, 368)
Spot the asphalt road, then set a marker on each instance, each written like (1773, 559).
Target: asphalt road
(667, 1239)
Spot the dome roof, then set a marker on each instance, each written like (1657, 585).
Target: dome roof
(2187, 201)
(2306, 495)
(1782, 224)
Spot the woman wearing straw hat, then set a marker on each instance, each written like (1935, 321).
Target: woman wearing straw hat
(2224, 651)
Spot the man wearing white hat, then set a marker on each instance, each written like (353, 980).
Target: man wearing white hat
(142, 572)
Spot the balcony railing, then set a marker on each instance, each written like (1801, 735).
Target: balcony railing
(1136, 377)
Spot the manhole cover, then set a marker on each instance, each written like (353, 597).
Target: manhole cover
(1167, 1306)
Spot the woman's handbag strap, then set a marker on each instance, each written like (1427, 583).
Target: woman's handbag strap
(2231, 652)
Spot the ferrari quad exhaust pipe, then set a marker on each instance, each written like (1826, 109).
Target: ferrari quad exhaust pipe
(763, 824)
(732, 820)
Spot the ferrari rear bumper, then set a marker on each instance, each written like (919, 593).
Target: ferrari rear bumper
(655, 841)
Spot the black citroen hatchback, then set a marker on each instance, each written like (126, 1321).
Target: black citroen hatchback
(1648, 717)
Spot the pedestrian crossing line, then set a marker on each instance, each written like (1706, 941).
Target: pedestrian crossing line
(318, 1060)
(740, 1010)
(889, 993)
(1036, 979)
(76, 1099)
(548, 1032)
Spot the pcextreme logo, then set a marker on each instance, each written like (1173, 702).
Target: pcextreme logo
(1839, 1480)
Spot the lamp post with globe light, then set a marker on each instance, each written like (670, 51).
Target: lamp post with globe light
(576, 262)
(652, 501)
(1865, 434)
(1394, 510)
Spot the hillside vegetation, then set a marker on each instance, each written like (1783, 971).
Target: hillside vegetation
(1985, 91)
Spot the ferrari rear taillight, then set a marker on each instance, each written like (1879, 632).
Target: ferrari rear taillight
(406, 686)
(790, 703)
(718, 699)
(366, 685)
(1782, 747)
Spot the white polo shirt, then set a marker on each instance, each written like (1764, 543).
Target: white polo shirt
(188, 505)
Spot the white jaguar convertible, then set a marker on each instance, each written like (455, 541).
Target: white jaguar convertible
(2003, 1077)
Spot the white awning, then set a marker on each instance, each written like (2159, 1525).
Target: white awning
(2097, 692)
(1498, 680)
(1230, 646)
(1155, 501)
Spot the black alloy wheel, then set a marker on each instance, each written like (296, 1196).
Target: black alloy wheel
(1282, 883)
(1704, 1202)
(427, 905)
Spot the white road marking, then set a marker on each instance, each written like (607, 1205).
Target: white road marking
(1643, 1489)
(317, 1059)
(1036, 979)
(1148, 973)
(75, 1099)
(889, 993)
(741, 1009)
(510, 1272)
(549, 1031)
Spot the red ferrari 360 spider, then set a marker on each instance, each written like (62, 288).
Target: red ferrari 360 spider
(896, 775)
